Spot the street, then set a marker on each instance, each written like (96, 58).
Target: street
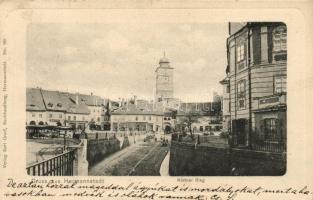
(139, 159)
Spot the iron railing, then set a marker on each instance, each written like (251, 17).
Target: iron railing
(260, 143)
(271, 144)
(61, 165)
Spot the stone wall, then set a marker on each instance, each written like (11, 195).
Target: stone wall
(186, 159)
(98, 149)
(125, 142)
(257, 163)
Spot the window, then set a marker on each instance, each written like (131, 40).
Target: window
(241, 103)
(241, 94)
(60, 116)
(69, 118)
(33, 115)
(74, 118)
(271, 129)
(240, 52)
(241, 90)
(227, 88)
(280, 39)
(40, 115)
(280, 43)
(280, 84)
(207, 128)
(165, 118)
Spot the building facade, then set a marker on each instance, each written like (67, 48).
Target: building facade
(164, 80)
(45, 107)
(257, 71)
(131, 119)
(35, 108)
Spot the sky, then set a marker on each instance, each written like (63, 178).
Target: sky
(119, 60)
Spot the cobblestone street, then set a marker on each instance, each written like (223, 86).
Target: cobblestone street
(140, 159)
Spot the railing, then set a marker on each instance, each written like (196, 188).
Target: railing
(61, 165)
(260, 143)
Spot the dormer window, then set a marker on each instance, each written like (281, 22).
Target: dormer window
(59, 105)
(50, 104)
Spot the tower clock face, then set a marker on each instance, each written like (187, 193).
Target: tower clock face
(163, 79)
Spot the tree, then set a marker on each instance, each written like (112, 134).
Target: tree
(188, 119)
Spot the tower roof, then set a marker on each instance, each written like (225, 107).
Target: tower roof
(164, 59)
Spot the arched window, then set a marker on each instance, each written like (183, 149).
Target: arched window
(32, 123)
(41, 123)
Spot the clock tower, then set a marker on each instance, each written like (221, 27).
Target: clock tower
(164, 80)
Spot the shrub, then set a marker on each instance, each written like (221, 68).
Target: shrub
(224, 135)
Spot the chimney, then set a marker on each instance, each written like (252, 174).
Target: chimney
(119, 102)
(135, 100)
(77, 102)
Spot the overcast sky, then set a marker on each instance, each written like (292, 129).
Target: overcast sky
(119, 60)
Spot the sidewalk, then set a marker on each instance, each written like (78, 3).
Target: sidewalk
(164, 169)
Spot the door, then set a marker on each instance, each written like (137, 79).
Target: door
(239, 131)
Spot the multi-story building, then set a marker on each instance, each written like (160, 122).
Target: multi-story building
(257, 57)
(131, 118)
(207, 116)
(96, 106)
(55, 107)
(35, 108)
(45, 107)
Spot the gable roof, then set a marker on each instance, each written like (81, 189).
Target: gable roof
(72, 106)
(91, 100)
(34, 100)
(45, 100)
(53, 100)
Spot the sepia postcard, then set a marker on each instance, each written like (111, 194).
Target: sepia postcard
(156, 100)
